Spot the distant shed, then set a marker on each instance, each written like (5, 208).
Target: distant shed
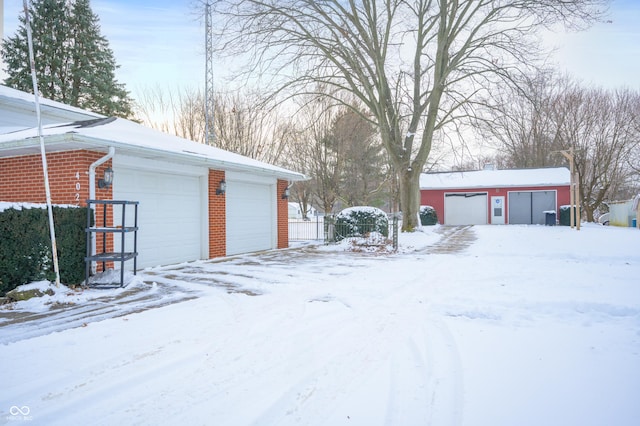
(498, 197)
(622, 213)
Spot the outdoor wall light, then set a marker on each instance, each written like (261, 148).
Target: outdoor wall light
(285, 194)
(107, 180)
(222, 188)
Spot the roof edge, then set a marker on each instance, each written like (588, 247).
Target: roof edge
(91, 143)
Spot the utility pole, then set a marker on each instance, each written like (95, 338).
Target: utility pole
(209, 102)
(2, 64)
(574, 190)
(43, 155)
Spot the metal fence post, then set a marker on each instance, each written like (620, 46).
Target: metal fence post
(329, 229)
(395, 232)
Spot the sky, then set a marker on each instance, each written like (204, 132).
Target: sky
(607, 54)
(155, 43)
(161, 44)
(499, 333)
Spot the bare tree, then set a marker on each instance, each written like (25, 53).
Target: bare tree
(157, 109)
(189, 119)
(243, 124)
(523, 122)
(633, 163)
(342, 154)
(318, 154)
(602, 127)
(415, 65)
(246, 125)
(178, 112)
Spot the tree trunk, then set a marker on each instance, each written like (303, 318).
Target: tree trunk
(587, 209)
(590, 217)
(409, 199)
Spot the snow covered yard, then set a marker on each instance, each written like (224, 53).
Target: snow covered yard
(529, 325)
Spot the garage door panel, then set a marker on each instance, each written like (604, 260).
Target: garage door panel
(169, 215)
(250, 221)
(528, 207)
(542, 201)
(520, 208)
(465, 209)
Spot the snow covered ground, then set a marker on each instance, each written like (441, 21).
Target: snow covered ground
(528, 325)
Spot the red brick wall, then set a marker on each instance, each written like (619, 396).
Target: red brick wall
(22, 180)
(217, 216)
(283, 215)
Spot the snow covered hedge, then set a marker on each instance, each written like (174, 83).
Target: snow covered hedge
(428, 216)
(25, 254)
(361, 221)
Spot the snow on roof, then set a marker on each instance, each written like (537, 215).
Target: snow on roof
(8, 94)
(496, 178)
(137, 139)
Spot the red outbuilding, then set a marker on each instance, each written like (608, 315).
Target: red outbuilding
(498, 197)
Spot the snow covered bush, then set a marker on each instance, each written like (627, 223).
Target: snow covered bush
(361, 221)
(428, 215)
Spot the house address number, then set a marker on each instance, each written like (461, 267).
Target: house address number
(76, 196)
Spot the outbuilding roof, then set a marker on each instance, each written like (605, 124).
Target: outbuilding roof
(496, 178)
(134, 139)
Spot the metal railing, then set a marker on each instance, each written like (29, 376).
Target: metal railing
(307, 230)
(325, 229)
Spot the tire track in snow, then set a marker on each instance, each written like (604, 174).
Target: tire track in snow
(409, 385)
(446, 375)
(427, 381)
(309, 386)
(20, 325)
(426, 376)
(404, 375)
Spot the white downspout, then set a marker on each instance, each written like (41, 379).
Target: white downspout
(92, 192)
(92, 171)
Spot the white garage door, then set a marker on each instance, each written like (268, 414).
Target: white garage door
(250, 217)
(468, 208)
(169, 215)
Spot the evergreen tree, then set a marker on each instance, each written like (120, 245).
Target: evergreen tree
(74, 63)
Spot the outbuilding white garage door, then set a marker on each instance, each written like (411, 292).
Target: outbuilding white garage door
(469, 208)
(250, 217)
(169, 215)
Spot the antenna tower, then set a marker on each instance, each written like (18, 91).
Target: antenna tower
(209, 102)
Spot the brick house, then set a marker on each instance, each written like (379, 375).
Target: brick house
(183, 214)
(498, 197)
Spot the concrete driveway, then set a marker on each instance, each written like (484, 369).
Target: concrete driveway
(250, 274)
